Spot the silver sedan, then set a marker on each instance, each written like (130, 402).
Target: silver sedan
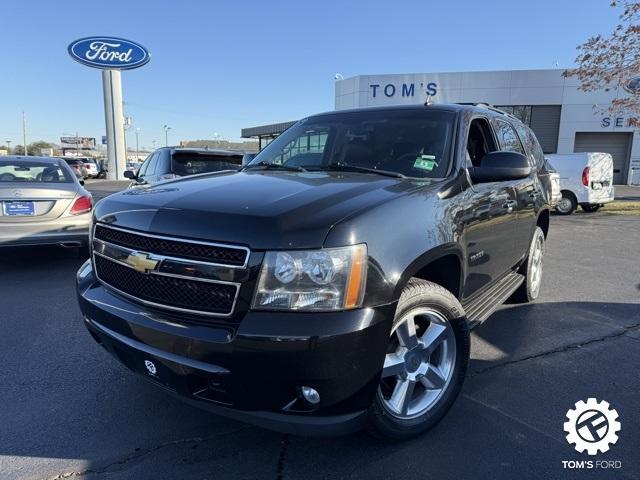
(42, 203)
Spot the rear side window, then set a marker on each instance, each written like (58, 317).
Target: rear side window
(536, 149)
(18, 171)
(508, 138)
(192, 163)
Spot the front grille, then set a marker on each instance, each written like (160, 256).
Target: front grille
(183, 249)
(172, 292)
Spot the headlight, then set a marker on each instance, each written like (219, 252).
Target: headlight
(318, 280)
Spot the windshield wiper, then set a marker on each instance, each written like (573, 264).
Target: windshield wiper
(274, 166)
(345, 167)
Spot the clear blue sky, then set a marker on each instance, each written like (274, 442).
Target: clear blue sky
(218, 66)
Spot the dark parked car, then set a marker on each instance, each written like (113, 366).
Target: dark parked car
(170, 162)
(332, 282)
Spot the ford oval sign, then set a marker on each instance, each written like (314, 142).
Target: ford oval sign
(633, 85)
(109, 53)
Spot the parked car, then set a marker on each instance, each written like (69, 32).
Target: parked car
(43, 203)
(78, 165)
(586, 179)
(91, 166)
(332, 282)
(170, 162)
(556, 192)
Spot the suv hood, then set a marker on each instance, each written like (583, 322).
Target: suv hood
(262, 210)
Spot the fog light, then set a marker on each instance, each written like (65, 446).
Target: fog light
(310, 395)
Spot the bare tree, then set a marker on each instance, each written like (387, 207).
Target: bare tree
(613, 61)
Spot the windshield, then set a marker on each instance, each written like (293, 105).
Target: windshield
(414, 143)
(30, 171)
(194, 163)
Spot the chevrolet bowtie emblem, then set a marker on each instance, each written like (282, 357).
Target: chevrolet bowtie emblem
(142, 262)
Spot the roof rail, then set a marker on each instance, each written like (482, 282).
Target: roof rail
(492, 108)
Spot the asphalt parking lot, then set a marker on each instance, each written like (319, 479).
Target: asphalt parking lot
(68, 409)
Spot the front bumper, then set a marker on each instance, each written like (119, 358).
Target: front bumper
(251, 368)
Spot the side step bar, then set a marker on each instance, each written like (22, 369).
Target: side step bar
(479, 307)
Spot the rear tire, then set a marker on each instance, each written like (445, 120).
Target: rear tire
(532, 270)
(567, 204)
(590, 207)
(428, 363)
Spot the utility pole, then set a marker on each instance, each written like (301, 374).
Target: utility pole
(24, 133)
(137, 147)
(8, 147)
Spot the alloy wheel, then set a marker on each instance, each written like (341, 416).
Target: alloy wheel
(537, 262)
(564, 205)
(419, 363)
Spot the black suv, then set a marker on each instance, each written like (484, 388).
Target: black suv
(172, 162)
(331, 283)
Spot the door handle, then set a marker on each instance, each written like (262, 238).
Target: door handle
(509, 205)
(534, 194)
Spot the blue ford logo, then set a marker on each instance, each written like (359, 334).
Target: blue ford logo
(633, 85)
(109, 53)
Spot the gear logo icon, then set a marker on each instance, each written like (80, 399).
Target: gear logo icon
(592, 426)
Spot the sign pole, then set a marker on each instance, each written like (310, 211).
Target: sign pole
(114, 121)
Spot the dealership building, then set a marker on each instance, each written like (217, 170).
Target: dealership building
(564, 118)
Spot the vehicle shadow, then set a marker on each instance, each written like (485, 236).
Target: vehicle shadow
(515, 332)
(34, 256)
(91, 416)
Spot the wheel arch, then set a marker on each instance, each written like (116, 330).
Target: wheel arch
(570, 193)
(442, 265)
(543, 221)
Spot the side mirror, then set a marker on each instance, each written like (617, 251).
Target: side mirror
(500, 167)
(81, 182)
(129, 174)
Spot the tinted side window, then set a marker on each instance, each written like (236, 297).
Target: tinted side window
(508, 138)
(536, 149)
(153, 162)
(526, 140)
(164, 162)
(145, 165)
(479, 142)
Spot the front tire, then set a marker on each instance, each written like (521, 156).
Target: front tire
(532, 270)
(425, 364)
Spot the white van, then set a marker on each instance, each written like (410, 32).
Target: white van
(586, 179)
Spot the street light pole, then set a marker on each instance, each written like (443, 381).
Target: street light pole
(8, 147)
(166, 135)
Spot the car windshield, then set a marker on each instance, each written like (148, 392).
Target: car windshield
(191, 163)
(412, 143)
(32, 171)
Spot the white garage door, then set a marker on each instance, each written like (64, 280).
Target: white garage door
(618, 144)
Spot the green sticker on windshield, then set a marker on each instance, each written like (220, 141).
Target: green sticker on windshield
(425, 162)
